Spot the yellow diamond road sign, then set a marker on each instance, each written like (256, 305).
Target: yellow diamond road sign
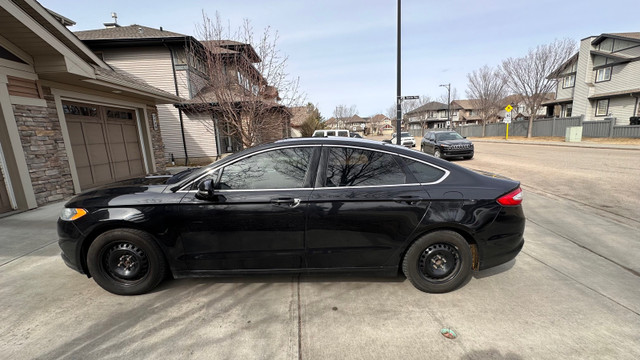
(509, 108)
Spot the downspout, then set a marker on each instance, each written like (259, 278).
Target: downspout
(175, 83)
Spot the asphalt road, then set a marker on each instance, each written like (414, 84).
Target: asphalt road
(573, 292)
(605, 178)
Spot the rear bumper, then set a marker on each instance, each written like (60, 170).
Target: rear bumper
(499, 252)
(504, 238)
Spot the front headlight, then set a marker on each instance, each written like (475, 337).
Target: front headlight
(70, 214)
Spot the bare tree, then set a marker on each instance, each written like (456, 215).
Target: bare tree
(342, 113)
(527, 76)
(244, 81)
(486, 89)
(444, 97)
(392, 112)
(409, 105)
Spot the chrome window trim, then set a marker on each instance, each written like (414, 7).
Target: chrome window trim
(182, 189)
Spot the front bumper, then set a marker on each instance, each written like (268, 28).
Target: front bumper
(450, 153)
(69, 238)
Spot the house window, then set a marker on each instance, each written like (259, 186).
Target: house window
(603, 74)
(567, 110)
(569, 81)
(602, 107)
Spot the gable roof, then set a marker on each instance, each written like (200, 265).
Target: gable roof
(633, 36)
(432, 105)
(465, 104)
(127, 33)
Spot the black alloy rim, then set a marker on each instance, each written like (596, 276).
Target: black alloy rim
(439, 262)
(126, 262)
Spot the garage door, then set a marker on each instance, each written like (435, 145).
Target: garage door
(105, 143)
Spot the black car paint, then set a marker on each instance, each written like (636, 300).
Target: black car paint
(335, 229)
(448, 148)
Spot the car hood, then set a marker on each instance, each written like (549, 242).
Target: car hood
(127, 192)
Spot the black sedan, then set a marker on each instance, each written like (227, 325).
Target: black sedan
(309, 205)
(446, 145)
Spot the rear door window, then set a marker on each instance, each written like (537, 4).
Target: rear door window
(358, 167)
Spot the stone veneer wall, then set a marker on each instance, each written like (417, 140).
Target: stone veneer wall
(44, 150)
(156, 140)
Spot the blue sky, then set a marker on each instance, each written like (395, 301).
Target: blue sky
(345, 51)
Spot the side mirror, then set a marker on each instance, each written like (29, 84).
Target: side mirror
(205, 190)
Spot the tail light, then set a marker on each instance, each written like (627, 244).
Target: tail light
(511, 199)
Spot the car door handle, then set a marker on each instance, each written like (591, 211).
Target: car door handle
(411, 200)
(292, 202)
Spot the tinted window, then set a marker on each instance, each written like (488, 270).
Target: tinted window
(357, 167)
(423, 172)
(449, 136)
(275, 169)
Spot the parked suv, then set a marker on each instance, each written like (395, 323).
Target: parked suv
(325, 133)
(406, 139)
(446, 144)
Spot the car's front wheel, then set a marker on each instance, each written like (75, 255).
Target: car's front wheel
(437, 153)
(438, 262)
(126, 262)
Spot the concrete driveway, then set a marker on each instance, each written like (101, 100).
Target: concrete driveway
(558, 299)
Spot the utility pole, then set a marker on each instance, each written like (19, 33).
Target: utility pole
(448, 86)
(398, 90)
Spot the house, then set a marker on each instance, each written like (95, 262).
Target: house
(380, 125)
(358, 124)
(432, 115)
(299, 114)
(192, 130)
(463, 112)
(601, 81)
(68, 121)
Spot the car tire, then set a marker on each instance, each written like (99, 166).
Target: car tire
(126, 262)
(437, 153)
(468, 157)
(438, 262)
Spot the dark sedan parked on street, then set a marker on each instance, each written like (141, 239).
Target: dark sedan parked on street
(308, 205)
(446, 145)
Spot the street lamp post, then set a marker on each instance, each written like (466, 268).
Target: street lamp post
(399, 87)
(448, 86)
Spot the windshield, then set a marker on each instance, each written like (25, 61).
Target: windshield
(405, 134)
(448, 136)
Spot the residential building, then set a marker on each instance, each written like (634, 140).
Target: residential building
(602, 80)
(176, 63)
(358, 124)
(432, 115)
(68, 121)
(463, 112)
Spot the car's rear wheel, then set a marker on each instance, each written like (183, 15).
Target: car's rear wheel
(126, 262)
(438, 262)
